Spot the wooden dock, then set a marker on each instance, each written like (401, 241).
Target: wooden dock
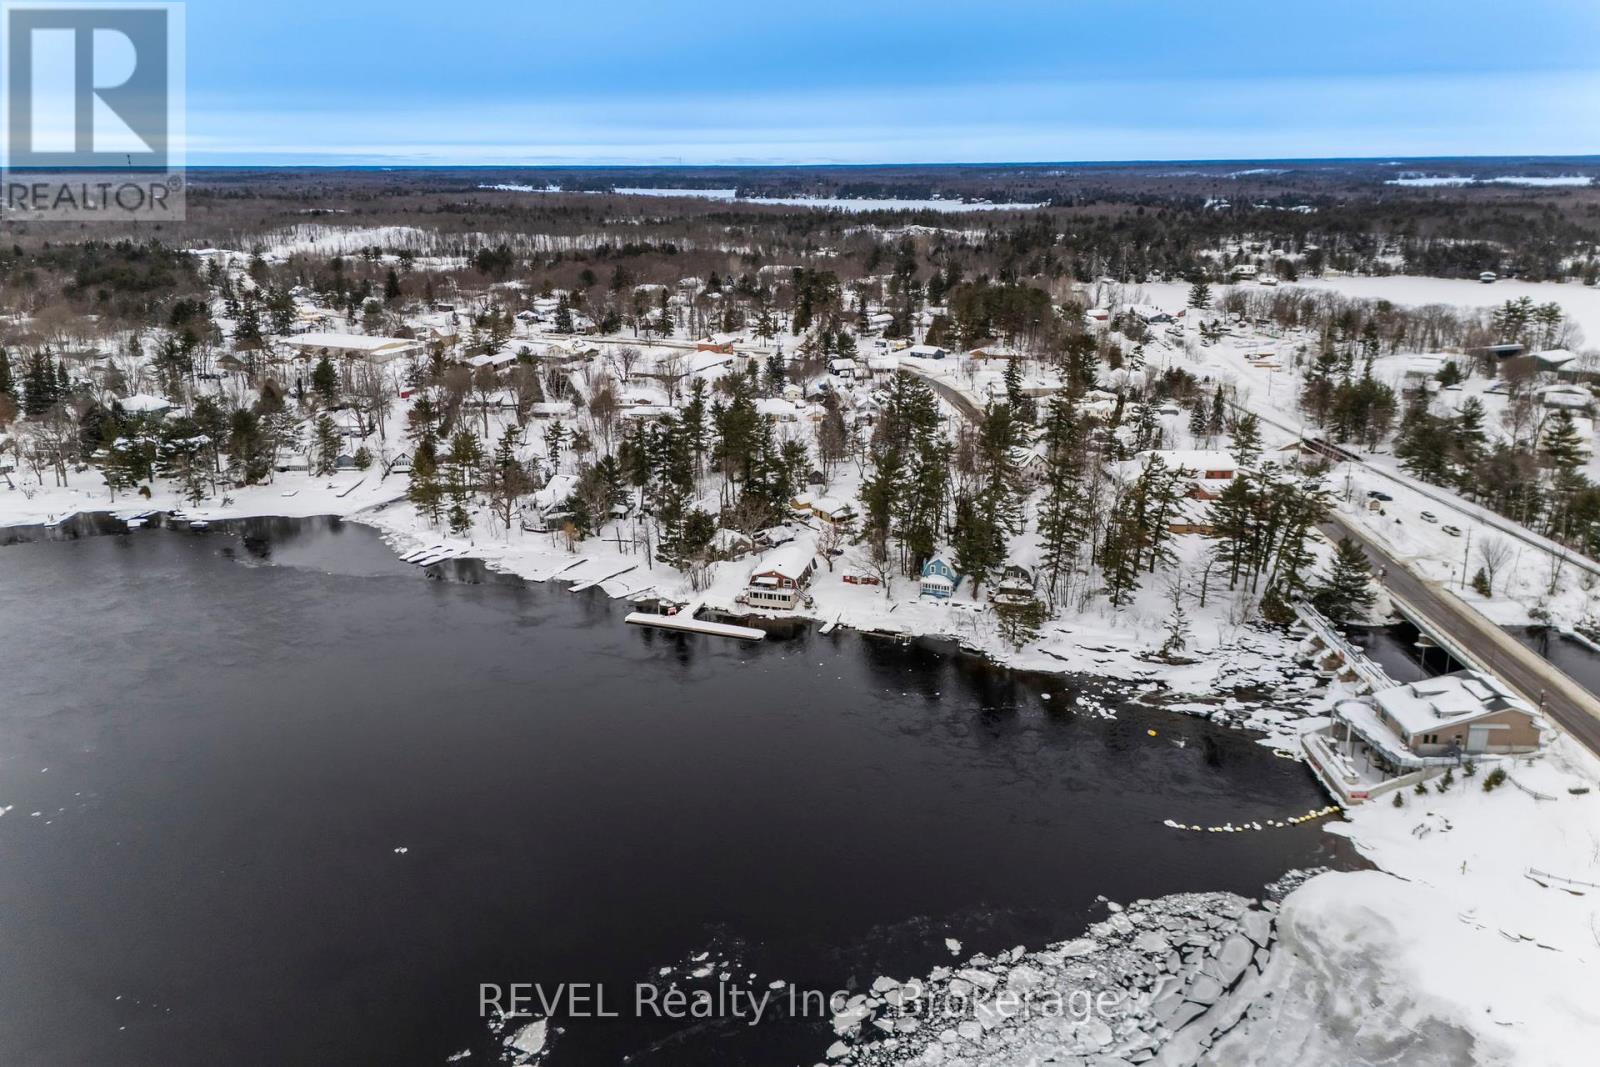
(685, 621)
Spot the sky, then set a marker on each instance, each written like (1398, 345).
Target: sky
(531, 82)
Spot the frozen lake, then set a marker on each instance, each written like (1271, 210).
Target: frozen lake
(283, 799)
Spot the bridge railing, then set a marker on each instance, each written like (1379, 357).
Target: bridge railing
(1319, 624)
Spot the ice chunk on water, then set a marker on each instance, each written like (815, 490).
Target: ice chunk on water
(531, 1038)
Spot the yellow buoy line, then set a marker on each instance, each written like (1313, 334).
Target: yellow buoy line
(1270, 824)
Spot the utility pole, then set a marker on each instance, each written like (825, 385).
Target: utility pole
(1465, 556)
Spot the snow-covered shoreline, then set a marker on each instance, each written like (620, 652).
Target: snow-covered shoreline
(1459, 947)
(1443, 934)
(1205, 684)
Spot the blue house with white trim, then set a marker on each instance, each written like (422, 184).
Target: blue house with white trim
(939, 578)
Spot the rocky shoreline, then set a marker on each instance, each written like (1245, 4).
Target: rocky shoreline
(1164, 978)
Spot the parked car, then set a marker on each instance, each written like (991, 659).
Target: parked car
(1453, 531)
(1375, 495)
(1428, 516)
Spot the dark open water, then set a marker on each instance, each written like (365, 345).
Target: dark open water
(225, 754)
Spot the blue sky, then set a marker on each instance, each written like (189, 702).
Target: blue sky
(625, 81)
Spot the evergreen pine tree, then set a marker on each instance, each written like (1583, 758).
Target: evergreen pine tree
(1233, 526)
(1468, 432)
(326, 445)
(1347, 593)
(40, 387)
(1063, 518)
(1560, 446)
(1120, 555)
(325, 382)
(425, 490)
(1020, 623)
(1247, 440)
(979, 544)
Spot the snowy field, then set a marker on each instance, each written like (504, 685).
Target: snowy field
(1581, 303)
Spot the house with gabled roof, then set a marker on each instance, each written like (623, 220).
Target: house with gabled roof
(939, 578)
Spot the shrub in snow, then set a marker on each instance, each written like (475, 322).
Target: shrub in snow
(1480, 583)
(1494, 778)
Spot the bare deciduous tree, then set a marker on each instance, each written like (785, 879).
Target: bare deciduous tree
(627, 358)
(1493, 554)
(374, 392)
(829, 541)
(605, 409)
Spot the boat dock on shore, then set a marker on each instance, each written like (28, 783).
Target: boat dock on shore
(686, 621)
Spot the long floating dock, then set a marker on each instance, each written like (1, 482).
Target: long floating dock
(684, 621)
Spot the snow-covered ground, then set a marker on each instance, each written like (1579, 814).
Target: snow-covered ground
(1435, 531)
(1581, 303)
(1476, 940)
(1451, 951)
(1224, 653)
(346, 493)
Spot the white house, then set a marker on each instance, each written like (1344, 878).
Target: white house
(777, 410)
(145, 404)
(1423, 367)
(352, 346)
(496, 360)
(1571, 397)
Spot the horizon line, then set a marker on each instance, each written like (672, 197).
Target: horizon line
(1380, 160)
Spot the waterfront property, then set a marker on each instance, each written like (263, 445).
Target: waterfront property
(1408, 733)
(939, 579)
(1465, 713)
(1016, 585)
(691, 774)
(781, 576)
